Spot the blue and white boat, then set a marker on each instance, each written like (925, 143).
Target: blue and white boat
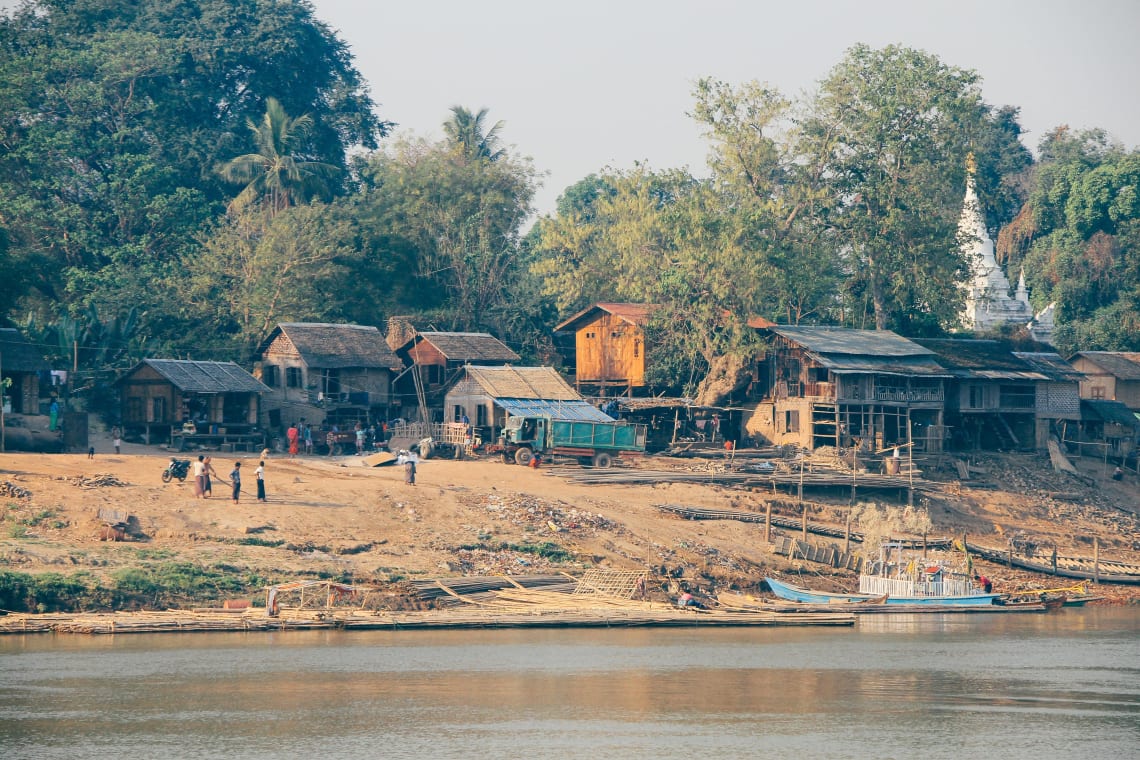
(928, 583)
(793, 593)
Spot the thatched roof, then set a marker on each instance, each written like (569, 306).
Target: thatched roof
(336, 346)
(523, 382)
(468, 346)
(201, 377)
(17, 354)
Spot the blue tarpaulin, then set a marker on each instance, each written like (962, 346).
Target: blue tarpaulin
(558, 410)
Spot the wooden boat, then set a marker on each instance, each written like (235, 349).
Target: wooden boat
(794, 593)
(1080, 600)
(909, 592)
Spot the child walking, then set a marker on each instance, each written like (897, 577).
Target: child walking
(260, 472)
(235, 479)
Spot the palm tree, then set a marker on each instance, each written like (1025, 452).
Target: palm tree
(468, 133)
(275, 173)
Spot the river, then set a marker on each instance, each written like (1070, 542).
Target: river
(1029, 685)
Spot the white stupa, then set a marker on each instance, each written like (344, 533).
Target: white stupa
(988, 300)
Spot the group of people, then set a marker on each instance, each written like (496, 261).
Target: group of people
(204, 473)
(299, 435)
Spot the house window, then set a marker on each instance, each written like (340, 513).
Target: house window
(615, 334)
(293, 377)
(457, 413)
(269, 375)
(1096, 392)
(481, 415)
(158, 406)
(977, 397)
(591, 335)
(792, 421)
(434, 374)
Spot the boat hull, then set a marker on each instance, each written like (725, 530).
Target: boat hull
(794, 593)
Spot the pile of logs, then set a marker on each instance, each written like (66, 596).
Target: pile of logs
(100, 480)
(13, 490)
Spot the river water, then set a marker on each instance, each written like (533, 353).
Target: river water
(1042, 686)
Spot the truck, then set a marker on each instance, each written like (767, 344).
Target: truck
(592, 443)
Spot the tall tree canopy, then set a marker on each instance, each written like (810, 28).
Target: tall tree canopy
(1078, 238)
(113, 116)
(459, 217)
(890, 129)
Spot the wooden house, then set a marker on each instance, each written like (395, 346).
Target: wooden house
(487, 395)
(1107, 429)
(21, 363)
(439, 359)
(829, 386)
(1110, 376)
(609, 355)
(1001, 399)
(326, 374)
(175, 400)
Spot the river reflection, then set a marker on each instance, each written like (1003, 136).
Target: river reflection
(1062, 685)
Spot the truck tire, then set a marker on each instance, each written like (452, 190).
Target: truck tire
(603, 460)
(523, 456)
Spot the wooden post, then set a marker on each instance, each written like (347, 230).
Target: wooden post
(803, 523)
(1096, 559)
(1054, 559)
(802, 457)
(768, 522)
(1009, 557)
(847, 535)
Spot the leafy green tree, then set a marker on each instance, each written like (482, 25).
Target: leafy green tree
(113, 116)
(277, 175)
(460, 220)
(889, 130)
(662, 239)
(1079, 237)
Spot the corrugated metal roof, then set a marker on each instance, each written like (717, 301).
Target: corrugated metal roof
(634, 313)
(1050, 364)
(1109, 411)
(336, 346)
(559, 410)
(523, 382)
(467, 346)
(17, 354)
(1124, 365)
(203, 377)
(846, 342)
(918, 365)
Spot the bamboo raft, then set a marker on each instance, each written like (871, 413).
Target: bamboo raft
(524, 613)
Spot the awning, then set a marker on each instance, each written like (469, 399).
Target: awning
(1109, 411)
(558, 410)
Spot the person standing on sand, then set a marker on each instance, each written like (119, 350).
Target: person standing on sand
(294, 436)
(208, 473)
(199, 477)
(260, 472)
(235, 480)
(117, 438)
(408, 459)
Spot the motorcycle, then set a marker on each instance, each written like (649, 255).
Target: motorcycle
(178, 468)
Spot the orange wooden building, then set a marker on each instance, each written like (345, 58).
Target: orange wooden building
(609, 347)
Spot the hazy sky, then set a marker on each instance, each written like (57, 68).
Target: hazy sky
(585, 84)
